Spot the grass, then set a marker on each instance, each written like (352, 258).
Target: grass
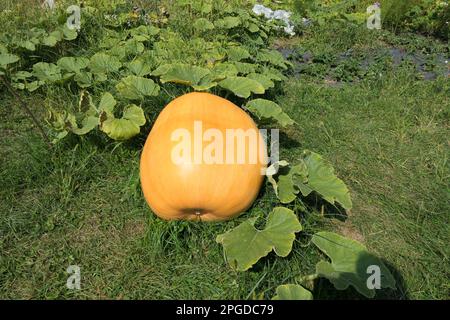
(80, 203)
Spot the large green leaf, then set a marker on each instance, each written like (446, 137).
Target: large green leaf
(73, 64)
(135, 88)
(266, 82)
(104, 63)
(126, 127)
(273, 57)
(292, 292)
(107, 104)
(236, 53)
(228, 22)
(244, 67)
(266, 109)
(83, 79)
(7, 58)
(349, 265)
(88, 123)
(289, 184)
(241, 86)
(203, 24)
(47, 71)
(321, 178)
(312, 174)
(245, 245)
(222, 70)
(139, 67)
(184, 74)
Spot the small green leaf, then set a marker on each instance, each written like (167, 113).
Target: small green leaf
(126, 127)
(203, 24)
(349, 265)
(103, 63)
(292, 292)
(135, 88)
(241, 86)
(266, 109)
(245, 245)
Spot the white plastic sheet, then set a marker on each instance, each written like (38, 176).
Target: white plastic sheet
(282, 15)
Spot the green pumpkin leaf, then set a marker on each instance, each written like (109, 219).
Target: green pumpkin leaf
(264, 80)
(107, 104)
(72, 64)
(126, 127)
(273, 74)
(104, 63)
(49, 41)
(48, 72)
(245, 245)
(273, 57)
(139, 68)
(83, 79)
(228, 22)
(321, 178)
(7, 58)
(273, 170)
(135, 88)
(184, 74)
(288, 184)
(241, 86)
(266, 109)
(88, 123)
(292, 292)
(69, 34)
(28, 45)
(237, 53)
(33, 86)
(349, 265)
(244, 67)
(203, 24)
(221, 71)
(133, 47)
(253, 28)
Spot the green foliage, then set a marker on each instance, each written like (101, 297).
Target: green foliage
(245, 245)
(139, 58)
(350, 261)
(313, 173)
(292, 292)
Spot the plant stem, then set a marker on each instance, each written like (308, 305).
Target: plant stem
(28, 111)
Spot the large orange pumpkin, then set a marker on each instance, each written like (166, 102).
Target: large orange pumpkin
(177, 185)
